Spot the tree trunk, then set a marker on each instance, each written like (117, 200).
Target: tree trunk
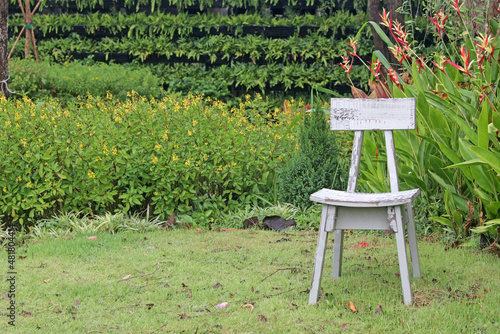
(476, 14)
(392, 6)
(4, 37)
(374, 9)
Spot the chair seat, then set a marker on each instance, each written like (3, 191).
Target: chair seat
(343, 198)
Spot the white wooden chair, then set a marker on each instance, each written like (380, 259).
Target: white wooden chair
(348, 210)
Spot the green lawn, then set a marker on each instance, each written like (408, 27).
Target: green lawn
(171, 282)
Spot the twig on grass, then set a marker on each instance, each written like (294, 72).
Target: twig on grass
(293, 269)
(157, 267)
(281, 293)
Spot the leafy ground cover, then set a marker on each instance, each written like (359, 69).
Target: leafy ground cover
(171, 281)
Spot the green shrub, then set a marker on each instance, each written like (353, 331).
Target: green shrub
(316, 166)
(187, 155)
(70, 80)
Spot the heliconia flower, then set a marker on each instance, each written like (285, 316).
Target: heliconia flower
(458, 67)
(400, 33)
(375, 68)
(485, 43)
(398, 53)
(464, 54)
(455, 4)
(346, 64)
(386, 18)
(354, 45)
(439, 21)
(420, 62)
(441, 62)
(393, 75)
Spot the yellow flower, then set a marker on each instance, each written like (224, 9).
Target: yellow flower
(187, 163)
(190, 133)
(4, 189)
(157, 146)
(29, 184)
(154, 159)
(175, 158)
(105, 149)
(91, 174)
(195, 122)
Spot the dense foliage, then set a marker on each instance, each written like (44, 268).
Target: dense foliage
(71, 80)
(315, 166)
(453, 157)
(247, 52)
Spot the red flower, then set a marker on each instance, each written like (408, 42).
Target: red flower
(346, 64)
(439, 21)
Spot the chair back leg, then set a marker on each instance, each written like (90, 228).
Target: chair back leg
(338, 247)
(412, 241)
(403, 259)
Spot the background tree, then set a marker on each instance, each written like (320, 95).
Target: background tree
(4, 37)
(374, 10)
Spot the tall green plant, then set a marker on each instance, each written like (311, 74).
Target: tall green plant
(455, 151)
(315, 166)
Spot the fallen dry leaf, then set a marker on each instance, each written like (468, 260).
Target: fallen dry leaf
(4, 296)
(170, 222)
(352, 307)
(262, 318)
(126, 277)
(93, 238)
(248, 305)
(47, 280)
(378, 310)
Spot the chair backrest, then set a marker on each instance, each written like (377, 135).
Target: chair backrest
(372, 114)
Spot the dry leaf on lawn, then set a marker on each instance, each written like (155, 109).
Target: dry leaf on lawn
(352, 307)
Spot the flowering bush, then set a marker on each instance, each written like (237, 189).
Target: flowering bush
(185, 155)
(454, 154)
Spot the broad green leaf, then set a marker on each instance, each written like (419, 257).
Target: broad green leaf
(382, 59)
(444, 221)
(482, 129)
(469, 163)
(488, 157)
(381, 33)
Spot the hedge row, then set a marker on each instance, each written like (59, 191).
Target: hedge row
(178, 154)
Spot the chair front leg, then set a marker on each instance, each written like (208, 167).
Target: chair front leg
(320, 257)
